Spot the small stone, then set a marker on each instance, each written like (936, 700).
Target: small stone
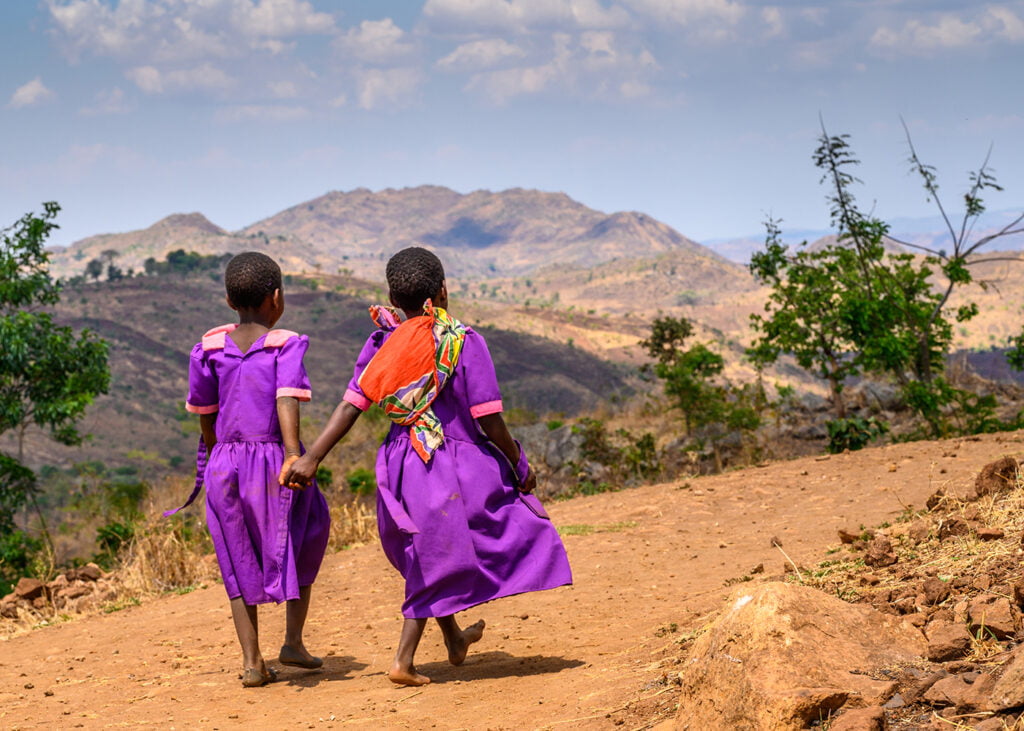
(935, 591)
(990, 534)
(880, 553)
(895, 702)
(982, 582)
(759, 569)
(860, 719)
(847, 537)
(870, 579)
(774, 542)
(918, 531)
(936, 498)
(29, 686)
(28, 588)
(953, 527)
(992, 615)
(996, 477)
(947, 642)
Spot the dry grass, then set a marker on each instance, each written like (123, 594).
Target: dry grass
(352, 522)
(166, 554)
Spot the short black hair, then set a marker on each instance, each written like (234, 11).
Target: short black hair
(414, 276)
(250, 278)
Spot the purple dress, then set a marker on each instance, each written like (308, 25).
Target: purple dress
(269, 540)
(455, 527)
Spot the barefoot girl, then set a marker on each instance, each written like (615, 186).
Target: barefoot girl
(452, 505)
(245, 382)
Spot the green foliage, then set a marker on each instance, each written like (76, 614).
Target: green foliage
(625, 457)
(48, 374)
(324, 477)
(692, 380)
(853, 308)
(854, 433)
(183, 263)
(361, 481)
(18, 552)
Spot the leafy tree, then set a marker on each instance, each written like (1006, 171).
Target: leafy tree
(856, 307)
(94, 268)
(48, 374)
(692, 380)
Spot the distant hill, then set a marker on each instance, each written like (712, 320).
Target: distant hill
(480, 234)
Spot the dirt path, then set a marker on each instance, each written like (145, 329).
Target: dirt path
(586, 656)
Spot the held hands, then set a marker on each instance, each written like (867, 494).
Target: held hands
(297, 472)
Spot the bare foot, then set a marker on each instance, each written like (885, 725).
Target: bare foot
(406, 676)
(458, 649)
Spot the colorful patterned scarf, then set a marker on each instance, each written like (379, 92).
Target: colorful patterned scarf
(411, 368)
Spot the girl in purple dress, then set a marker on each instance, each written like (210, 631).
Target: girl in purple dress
(453, 506)
(245, 382)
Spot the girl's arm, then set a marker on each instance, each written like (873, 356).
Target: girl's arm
(494, 428)
(288, 417)
(208, 427)
(303, 470)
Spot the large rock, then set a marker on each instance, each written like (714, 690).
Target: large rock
(28, 588)
(781, 656)
(1009, 689)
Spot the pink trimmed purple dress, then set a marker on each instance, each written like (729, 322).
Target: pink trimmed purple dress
(269, 540)
(455, 527)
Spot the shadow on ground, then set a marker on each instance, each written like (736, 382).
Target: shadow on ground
(497, 664)
(334, 668)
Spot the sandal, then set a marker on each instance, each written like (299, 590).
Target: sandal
(288, 656)
(253, 678)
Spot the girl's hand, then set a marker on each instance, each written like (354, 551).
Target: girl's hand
(530, 483)
(297, 472)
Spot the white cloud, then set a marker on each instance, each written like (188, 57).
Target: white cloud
(30, 94)
(338, 102)
(772, 17)
(593, 65)
(261, 113)
(182, 30)
(687, 12)
(387, 87)
(377, 41)
(206, 77)
(1005, 23)
(106, 102)
(919, 38)
(472, 16)
(479, 55)
(283, 89)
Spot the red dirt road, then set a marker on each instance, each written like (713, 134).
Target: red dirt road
(580, 657)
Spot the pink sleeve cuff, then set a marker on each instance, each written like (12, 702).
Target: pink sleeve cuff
(302, 394)
(192, 409)
(491, 407)
(357, 399)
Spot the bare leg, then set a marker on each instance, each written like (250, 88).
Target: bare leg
(458, 640)
(246, 622)
(294, 651)
(403, 672)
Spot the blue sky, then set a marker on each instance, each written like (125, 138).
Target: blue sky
(702, 113)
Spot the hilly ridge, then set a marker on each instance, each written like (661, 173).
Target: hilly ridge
(479, 234)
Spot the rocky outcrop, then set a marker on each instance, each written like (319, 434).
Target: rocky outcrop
(781, 656)
(77, 590)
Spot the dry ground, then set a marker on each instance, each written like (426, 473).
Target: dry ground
(589, 656)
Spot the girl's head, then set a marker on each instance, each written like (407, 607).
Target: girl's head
(253, 284)
(414, 276)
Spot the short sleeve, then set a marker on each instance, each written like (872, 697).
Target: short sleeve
(481, 380)
(292, 379)
(353, 394)
(203, 397)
